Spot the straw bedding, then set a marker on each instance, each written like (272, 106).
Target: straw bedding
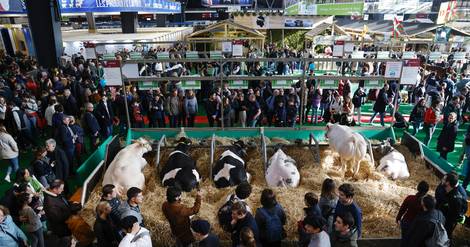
(379, 197)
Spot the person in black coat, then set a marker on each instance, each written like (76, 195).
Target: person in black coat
(454, 205)
(104, 113)
(380, 105)
(446, 139)
(70, 104)
(201, 232)
(423, 226)
(90, 125)
(66, 140)
(58, 160)
(241, 218)
(57, 210)
(41, 167)
(105, 230)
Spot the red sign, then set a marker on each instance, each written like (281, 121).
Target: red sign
(412, 63)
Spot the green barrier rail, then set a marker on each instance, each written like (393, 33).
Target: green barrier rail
(92, 162)
(378, 133)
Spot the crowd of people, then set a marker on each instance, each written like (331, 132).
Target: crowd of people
(331, 219)
(71, 108)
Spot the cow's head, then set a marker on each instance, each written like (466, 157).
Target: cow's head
(144, 143)
(382, 149)
(329, 126)
(183, 145)
(239, 148)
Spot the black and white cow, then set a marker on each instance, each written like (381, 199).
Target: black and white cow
(230, 169)
(180, 169)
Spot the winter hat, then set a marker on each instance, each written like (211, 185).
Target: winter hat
(201, 226)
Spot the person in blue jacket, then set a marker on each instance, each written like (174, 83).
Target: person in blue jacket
(241, 218)
(346, 203)
(10, 234)
(270, 219)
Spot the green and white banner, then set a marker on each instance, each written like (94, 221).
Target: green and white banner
(309, 7)
(329, 84)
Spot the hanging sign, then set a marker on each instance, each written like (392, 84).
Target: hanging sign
(383, 55)
(146, 85)
(227, 46)
(112, 72)
(357, 54)
(348, 47)
(408, 55)
(237, 48)
(192, 55)
(410, 72)
(435, 55)
(460, 56)
(135, 55)
(163, 55)
(338, 48)
(393, 69)
(130, 70)
(191, 84)
(216, 54)
(372, 84)
(329, 84)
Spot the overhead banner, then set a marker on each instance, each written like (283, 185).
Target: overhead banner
(81, 6)
(447, 11)
(410, 72)
(225, 3)
(309, 7)
(280, 22)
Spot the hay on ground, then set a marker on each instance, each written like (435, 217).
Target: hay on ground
(379, 197)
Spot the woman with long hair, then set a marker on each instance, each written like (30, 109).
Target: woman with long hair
(328, 201)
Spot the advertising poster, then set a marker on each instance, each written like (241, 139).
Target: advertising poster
(410, 72)
(383, 54)
(219, 3)
(227, 46)
(237, 48)
(393, 69)
(112, 72)
(435, 55)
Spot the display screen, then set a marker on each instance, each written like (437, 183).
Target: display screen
(217, 3)
(80, 6)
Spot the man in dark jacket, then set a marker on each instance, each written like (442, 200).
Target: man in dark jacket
(346, 204)
(104, 114)
(70, 104)
(66, 138)
(345, 233)
(178, 215)
(454, 206)
(57, 210)
(90, 125)
(381, 104)
(58, 160)
(201, 230)
(424, 224)
(241, 218)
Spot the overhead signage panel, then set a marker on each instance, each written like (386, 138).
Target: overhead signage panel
(74, 6)
(309, 7)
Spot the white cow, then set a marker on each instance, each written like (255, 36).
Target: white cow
(125, 171)
(393, 163)
(282, 171)
(350, 146)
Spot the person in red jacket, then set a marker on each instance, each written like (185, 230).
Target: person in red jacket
(410, 208)
(432, 116)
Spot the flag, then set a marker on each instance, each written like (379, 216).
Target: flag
(398, 28)
(365, 29)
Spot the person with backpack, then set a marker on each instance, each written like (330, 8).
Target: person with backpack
(455, 204)
(410, 208)
(224, 215)
(428, 228)
(9, 152)
(241, 218)
(357, 100)
(271, 219)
